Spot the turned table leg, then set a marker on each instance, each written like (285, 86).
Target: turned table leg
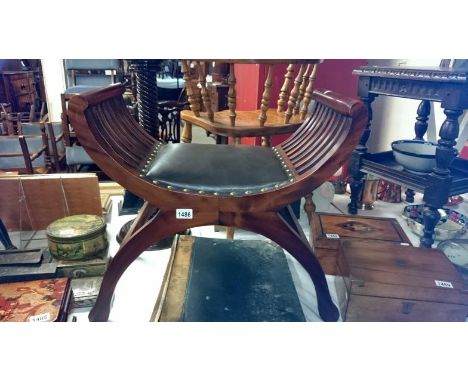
(359, 152)
(438, 193)
(409, 195)
(420, 129)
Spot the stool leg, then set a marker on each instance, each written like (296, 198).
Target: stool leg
(291, 238)
(159, 227)
(187, 133)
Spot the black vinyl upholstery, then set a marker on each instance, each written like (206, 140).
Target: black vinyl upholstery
(222, 169)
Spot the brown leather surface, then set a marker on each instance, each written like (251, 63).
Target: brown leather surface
(217, 168)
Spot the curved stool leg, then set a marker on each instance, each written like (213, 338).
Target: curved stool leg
(161, 226)
(276, 228)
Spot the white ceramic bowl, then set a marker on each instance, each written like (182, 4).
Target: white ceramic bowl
(415, 156)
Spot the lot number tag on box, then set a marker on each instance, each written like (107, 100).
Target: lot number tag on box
(443, 284)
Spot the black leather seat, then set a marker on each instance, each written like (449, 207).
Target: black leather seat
(217, 169)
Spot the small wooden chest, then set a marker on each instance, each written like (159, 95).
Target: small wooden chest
(384, 281)
(328, 229)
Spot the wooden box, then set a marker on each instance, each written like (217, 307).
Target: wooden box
(328, 229)
(217, 280)
(385, 281)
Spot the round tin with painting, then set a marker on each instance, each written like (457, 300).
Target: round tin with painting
(77, 237)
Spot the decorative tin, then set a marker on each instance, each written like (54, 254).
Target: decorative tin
(77, 237)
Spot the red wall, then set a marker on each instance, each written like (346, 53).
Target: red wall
(337, 75)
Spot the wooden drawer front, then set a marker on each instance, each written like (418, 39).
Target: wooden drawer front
(22, 85)
(24, 101)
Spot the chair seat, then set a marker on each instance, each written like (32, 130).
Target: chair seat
(77, 155)
(78, 89)
(221, 169)
(247, 123)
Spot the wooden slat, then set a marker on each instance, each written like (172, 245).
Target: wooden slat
(324, 151)
(314, 118)
(313, 146)
(129, 122)
(136, 140)
(332, 148)
(118, 145)
(306, 132)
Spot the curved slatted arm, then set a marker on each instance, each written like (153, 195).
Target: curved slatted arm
(326, 139)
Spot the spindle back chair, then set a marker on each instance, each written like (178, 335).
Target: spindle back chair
(289, 112)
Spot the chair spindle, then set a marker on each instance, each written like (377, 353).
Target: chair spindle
(302, 89)
(204, 91)
(285, 88)
(232, 95)
(293, 95)
(308, 92)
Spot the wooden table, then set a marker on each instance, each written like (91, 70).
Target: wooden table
(450, 176)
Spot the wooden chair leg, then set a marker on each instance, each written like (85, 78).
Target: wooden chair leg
(288, 234)
(158, 227)
(187, 133)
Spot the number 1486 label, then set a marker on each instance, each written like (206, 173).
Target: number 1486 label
(184, 213)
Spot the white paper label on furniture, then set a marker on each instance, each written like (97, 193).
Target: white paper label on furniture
(443, 284)
(40, 317)
(184, 213)
(332, 236)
